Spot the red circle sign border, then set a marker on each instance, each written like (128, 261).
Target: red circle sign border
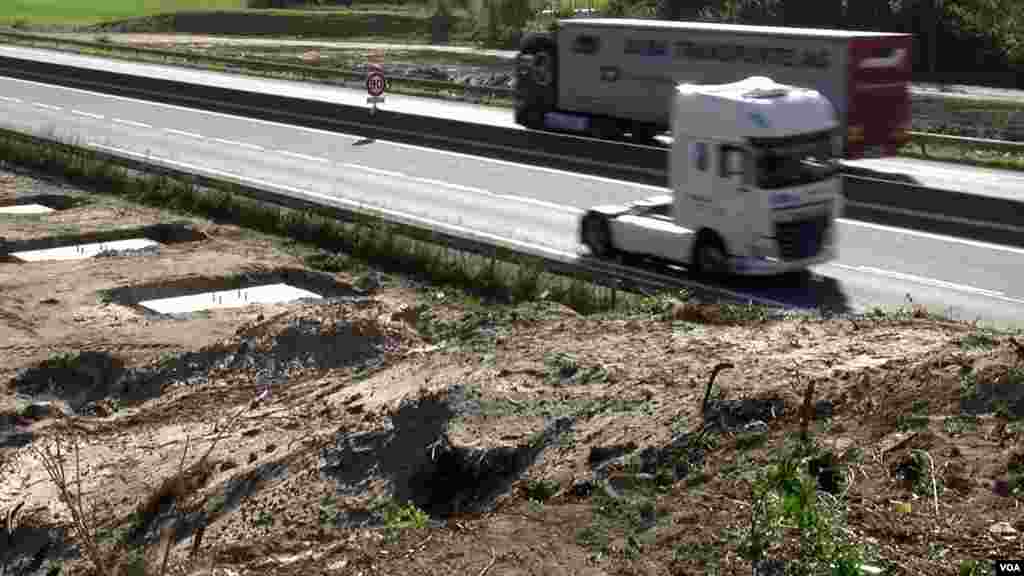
(375, 83)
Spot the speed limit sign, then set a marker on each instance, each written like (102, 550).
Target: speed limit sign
(375, 83)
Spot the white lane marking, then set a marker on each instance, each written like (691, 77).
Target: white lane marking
(375, 170)
(304, 156)
(10, 99)
(469, 189)
(353, 138)
(526, 166)
(920, 279)
(545, 169)
(571, 257)
(401, 216)
(130, 123)
(237, 143)
(938, 237)
(87, 114)
(47, 106)
(183, 133)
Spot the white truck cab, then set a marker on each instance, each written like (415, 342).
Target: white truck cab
(755, 184)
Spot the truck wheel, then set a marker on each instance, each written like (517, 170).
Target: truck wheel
(605, 129)
(643, 134)
(597, 235)
(709, 257)
(534, 119)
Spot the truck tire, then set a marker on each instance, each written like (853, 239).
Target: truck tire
(537, 84)
(596, 235)
(710, 259)
(643, 133)
(605, 128)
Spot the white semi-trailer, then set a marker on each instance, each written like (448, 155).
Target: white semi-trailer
(755, 185)
(606, 77)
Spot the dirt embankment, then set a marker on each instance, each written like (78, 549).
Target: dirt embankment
(389, 430)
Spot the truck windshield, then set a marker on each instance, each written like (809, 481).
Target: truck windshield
(793, 165)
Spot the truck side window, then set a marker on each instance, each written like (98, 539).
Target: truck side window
(700, 156)
(585, 45)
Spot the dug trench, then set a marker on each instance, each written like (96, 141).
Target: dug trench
(161, 234)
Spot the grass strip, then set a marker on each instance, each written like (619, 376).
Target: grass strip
(331, 244)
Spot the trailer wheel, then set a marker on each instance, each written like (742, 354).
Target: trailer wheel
(605, 128)
(643, 133)
(597, 235)
(709, 256)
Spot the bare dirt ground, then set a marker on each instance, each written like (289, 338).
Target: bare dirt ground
(287, 439)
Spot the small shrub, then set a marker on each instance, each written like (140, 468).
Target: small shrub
(541, 490)
(399, 517)
(978, 340)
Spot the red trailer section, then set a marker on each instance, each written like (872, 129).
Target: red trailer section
(878, 112)
(607, 77)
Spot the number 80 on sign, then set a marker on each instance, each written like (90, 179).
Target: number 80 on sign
(375, 84)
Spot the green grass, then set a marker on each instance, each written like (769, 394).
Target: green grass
(85, 12)
(965, 155)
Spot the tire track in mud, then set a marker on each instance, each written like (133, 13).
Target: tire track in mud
(17, 322)
(95, 345)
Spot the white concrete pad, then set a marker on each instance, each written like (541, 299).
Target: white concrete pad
(26, 209)
(269, 294)
(82, 251)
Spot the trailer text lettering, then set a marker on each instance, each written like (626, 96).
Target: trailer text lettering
(757, 55)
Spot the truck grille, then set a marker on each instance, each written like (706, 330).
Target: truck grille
(802, 238)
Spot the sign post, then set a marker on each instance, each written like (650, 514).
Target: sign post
(375, 85)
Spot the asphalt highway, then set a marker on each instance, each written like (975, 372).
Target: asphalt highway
(1000, 183)
(533, 206)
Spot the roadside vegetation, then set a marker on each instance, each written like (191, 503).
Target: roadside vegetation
(30, 13)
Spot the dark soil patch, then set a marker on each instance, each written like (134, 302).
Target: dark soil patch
(731, 414)
(84, 379)
(168, 233)
(422, 465)
(26, 550)
(52, 201)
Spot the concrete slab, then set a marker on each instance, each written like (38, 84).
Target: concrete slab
(83, 251)
(26, 209)
(268, 294)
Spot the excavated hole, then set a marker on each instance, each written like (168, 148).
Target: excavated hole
(411, 452)
(318, 283)
(55, 202)
(28, 547)
(418, 460)
(165, 233)
(81, 381)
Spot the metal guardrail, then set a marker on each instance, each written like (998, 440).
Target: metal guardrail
(921, 139)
